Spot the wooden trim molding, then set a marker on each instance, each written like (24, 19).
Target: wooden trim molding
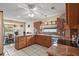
(1, 32)
(13, 21)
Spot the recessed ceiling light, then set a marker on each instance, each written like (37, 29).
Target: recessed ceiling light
(45, 15)
(52, 7)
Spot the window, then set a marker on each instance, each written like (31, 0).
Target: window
(49, 30)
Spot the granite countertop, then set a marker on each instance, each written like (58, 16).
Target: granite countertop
(55, 36)
(26, 35)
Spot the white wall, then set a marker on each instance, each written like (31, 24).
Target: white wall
(19, 29)
(31, 28)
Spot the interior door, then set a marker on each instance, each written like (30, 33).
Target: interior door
(1, 32)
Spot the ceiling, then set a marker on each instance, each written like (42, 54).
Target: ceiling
(27, 11)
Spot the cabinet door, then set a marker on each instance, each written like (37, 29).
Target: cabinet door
(22, 42)
(37, 24)
(38, 39)
(72, 14)
(43, 40)
(17, 43)
(46, 41)
(30, 40)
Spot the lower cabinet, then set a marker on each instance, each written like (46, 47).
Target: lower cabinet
(24, 41)
(30, 40)
(20, 42)
(43, 40)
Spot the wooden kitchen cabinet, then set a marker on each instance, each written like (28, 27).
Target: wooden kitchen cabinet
(20, 42)
(37, 25)
(72, 17)
(43, 40)
(37, 39)
(30, 40)
(72, 14)
(24, 41)
(47, 41)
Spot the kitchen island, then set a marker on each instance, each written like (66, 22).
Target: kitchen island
(63, 50)
(27, 40)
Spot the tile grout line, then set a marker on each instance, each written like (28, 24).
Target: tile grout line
(7, 52)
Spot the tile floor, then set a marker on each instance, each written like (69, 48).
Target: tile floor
(33, 50)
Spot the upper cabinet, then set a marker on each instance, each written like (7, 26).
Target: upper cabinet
(48, 25)
(72, 15)
(37, 24)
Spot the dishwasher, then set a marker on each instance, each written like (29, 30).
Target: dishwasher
(55, 39)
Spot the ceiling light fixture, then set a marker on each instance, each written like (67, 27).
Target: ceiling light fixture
(30, 8)
(35, 8)
(52, 7)
(31, 15)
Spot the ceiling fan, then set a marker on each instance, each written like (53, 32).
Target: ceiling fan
(32, 9)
